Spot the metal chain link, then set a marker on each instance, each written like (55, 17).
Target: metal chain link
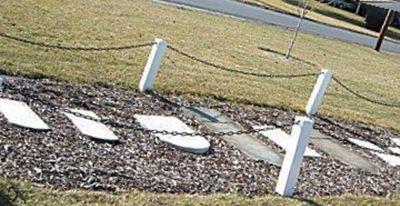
(281, 76)
(75, 48)
(364, 97)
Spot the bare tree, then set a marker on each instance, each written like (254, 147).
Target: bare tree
(303, 10)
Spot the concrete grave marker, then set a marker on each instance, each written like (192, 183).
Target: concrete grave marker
(390, 159)
(91, 128)
(248, 144)
(284, 140)
(395, 150)
(365, 144)
(335, 149)
(194, 144)
(20, 114)
(396, 141)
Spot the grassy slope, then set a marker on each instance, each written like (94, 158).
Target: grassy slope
(32, 196)
(329, 15)
(232, 43)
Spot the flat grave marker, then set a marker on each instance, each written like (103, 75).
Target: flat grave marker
(396, 141)
(390, 159)
(20, 114)
(194, 144)
(284, 140)
(89, 127)
(365, 144)
(249, 145)
(395, 150)
(335, 149)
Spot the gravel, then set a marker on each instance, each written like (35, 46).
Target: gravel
(63, 158)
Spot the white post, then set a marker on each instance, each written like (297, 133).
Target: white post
(152, 66)
(294, 156)
(1, 84)
(315, 100)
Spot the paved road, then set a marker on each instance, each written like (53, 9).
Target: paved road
(233, 8)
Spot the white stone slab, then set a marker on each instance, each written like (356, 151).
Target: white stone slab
(365, 144)
(395, 150)
(282, 139)
(89, 127)
(390, 159)
(20, 114)
(195, 144)
(396, 140)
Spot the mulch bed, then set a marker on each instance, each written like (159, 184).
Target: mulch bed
(63, 158)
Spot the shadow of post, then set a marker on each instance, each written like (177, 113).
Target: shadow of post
(308, 201)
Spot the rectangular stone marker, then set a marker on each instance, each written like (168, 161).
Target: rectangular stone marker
(248, 144)
(396, 141)
(194, 144)
(365, 144)
(91, 128)
(395, 150)
(20, 114)
(334, 149)
(284, 140)
(390, 159)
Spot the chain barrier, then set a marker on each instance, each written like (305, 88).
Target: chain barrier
(364, 97)
(75, 48)
(281, 76)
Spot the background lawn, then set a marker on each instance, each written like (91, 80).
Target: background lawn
(324, 13)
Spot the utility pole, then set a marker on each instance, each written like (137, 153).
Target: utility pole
(388, 20)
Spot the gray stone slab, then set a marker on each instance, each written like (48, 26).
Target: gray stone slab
(315, 134)
(248, 144)
(194, 144)
(91, 128)
(20, 114)
(337, 151)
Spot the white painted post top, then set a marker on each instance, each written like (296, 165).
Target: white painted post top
(152, 66)
(1, 83)
(317, 95)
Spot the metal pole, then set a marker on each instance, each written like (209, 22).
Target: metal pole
(388, 20)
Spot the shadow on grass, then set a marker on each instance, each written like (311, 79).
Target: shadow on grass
(284, 55)
(308, 201)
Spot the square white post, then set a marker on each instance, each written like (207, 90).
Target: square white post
(315, 100)
(152, 66)
(294, 156)
(1, 84)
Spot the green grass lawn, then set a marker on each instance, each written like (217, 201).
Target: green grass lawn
(225, 41)
(324, 13)
(229, 42)
(23, 193)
